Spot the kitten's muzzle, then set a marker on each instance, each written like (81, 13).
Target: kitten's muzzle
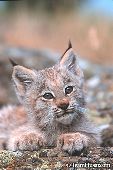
(63, 113)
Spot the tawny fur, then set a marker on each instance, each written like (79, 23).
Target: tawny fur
(58, 121)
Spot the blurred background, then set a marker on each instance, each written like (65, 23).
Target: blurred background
(36, 33)
(50, 24)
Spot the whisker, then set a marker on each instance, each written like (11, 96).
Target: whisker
(79, 108)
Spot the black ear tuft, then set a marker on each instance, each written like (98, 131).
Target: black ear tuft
(12, 62)
(69, 45)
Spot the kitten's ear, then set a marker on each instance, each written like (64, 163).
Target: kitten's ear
(69, 61)
(23, 78)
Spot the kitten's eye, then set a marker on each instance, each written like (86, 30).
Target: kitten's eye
(48, 96)
(68, 89)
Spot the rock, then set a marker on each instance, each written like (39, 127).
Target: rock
(90, 158)
(107, 136)
(93, 82)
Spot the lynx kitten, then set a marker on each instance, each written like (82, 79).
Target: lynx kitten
(54, 105)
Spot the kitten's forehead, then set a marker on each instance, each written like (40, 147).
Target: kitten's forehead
(53, 76)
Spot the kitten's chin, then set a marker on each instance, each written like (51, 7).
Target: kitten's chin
(66, 119)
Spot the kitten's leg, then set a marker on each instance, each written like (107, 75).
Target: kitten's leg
(72, 142)
(25, 138)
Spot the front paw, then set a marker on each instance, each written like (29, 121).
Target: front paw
(30, 141)
(72, 142)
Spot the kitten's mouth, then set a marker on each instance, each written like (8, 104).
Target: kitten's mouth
(64, 113)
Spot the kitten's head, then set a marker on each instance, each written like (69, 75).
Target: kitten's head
(54, 94)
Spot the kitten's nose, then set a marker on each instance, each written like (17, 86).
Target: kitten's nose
(63, 104)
